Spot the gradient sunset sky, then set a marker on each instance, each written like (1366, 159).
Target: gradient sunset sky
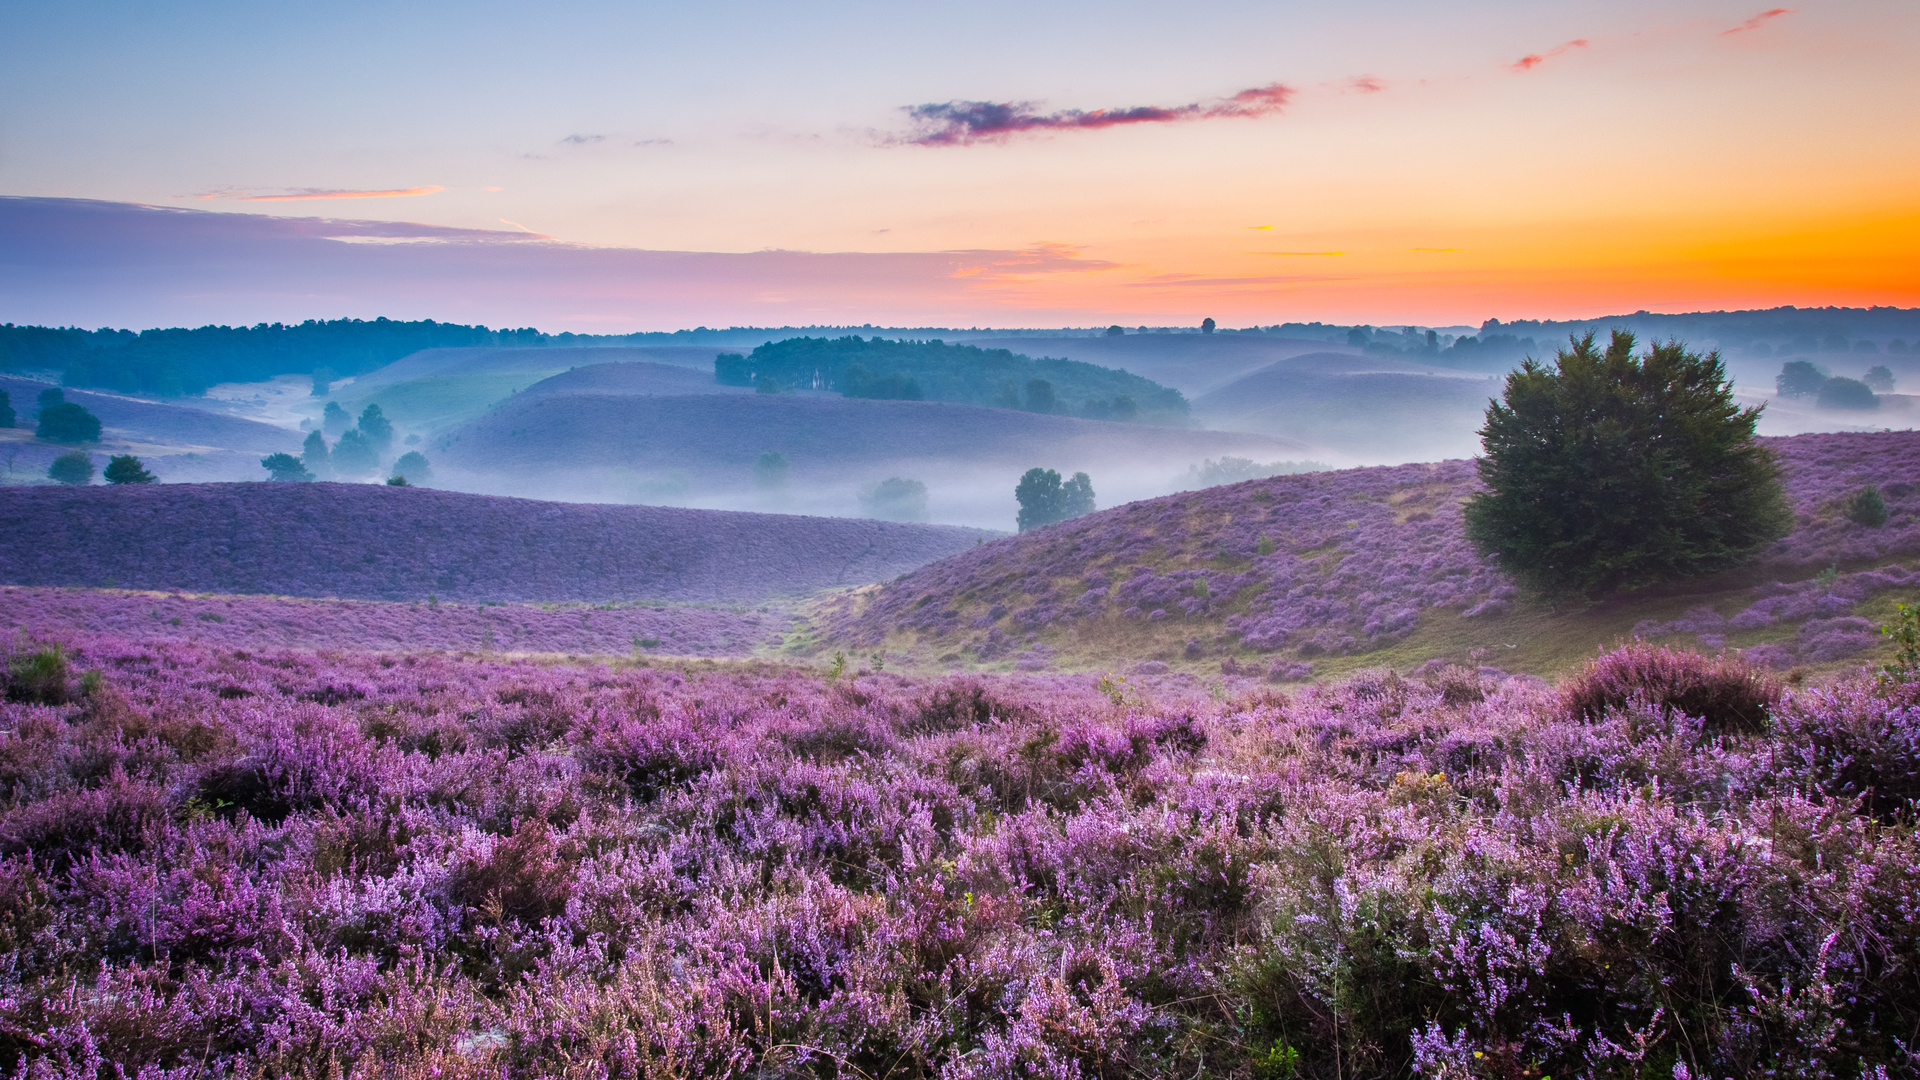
(1139, 163)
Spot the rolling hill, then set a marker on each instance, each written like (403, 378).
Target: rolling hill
(177, 442)
(1328, 572)
(1367, 408)
(604, 445)
(374, 542)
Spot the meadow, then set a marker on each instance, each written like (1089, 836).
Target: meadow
(220, 861)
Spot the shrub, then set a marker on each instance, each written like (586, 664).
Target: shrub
(1798, 379)
(1727, 694)
(74, 469)
(1844, 393)
(397, 481)
(896, 499)
(127, 469)
(65, 422)
(767, 384)
(1609, 472)
(285, 468)
(1867, 508)
(40, 677)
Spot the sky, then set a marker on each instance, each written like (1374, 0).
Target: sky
(601, 166)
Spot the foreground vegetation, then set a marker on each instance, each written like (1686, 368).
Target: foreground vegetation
(228, 862)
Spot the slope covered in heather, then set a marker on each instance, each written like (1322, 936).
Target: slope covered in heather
(1323, 572)
(381, 543)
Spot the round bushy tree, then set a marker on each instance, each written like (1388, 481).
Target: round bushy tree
(127, 469)
(285, 468)
(1609, 472)
(896, 499)
(414, 467)
(65, 422)
(377, 428)
(1799, 378)
(770, 472)
(1045, 499)
(1844, 393)
(74, 469)
(355, 455)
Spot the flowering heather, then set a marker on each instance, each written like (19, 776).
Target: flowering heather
(375, 542)
(359, 625)
(269, 862)
(1354, 561)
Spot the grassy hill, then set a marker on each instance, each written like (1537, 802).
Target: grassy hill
(379, 543)
(1324, 573)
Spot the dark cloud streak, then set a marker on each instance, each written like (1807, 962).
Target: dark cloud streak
(962, 123)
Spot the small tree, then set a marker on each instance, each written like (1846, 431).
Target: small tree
(1844, 393)
(335, 419)
(314, 456)
(1798, 379)
(1609, 472)
(377, 428)
(1116, 330)
(1044, 500)
(73, 468)
(7, 415)
(896, 499)
(65, 422)
(397, 481)
(355, 455)
(1879, 378)
(1040, 397)
(770, 472)
(127, 469)
(1867, 508)
(323, 380)
(284, 468)
(1207, 325)
(414, 468)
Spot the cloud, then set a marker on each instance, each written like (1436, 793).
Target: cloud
(308, 194)
(583, 140)
(1757, 21)
(1366, 84)
(1298, 254)
(1534, 60)
(962, 123)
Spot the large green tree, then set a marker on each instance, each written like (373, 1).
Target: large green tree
(1609, 472)
(1044, 499)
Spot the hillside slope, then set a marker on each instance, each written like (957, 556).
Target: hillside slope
(374, 542)
(1324, 572)
(1368, 408)
(177, 442)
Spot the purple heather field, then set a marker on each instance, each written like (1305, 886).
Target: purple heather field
(1351, 561)
(281, 622)
(264, 862)
(369, 541)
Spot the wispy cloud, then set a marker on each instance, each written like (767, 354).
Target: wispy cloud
(309, 194)
(1534, 60)
(1757, 21)
(583, 140)
(1366, 84)
(962, 123)
(1298, 254)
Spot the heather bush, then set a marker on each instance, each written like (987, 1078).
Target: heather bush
(1722, 691)
(422, 865)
